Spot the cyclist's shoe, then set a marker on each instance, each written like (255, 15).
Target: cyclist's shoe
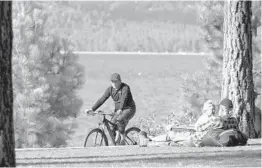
(122, 143)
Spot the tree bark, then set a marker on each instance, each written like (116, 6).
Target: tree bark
(7, 143)
(237, 63)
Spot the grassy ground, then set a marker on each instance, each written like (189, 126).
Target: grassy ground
(153, 80)
(134, 156)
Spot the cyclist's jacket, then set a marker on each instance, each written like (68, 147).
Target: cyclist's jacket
(122, 98)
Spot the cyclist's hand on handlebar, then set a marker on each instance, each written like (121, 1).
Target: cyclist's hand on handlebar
(89, 111)
(100, 112)
(119, 112)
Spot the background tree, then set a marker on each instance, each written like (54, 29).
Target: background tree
(46, 78)
(237, 63)
(203, 85)
(7, 143)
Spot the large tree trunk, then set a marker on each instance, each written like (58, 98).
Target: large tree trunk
(237, 63)
(7, 144)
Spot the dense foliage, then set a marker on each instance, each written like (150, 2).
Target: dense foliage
(45, 80)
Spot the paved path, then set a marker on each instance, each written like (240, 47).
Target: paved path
(135, 156)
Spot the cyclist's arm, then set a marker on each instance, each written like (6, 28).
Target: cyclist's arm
(102, 99)
(124, 97)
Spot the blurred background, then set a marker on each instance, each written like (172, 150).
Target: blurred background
(169, 53)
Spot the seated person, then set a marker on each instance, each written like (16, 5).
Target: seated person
(226, 114)
(204, 123)
(229, 134)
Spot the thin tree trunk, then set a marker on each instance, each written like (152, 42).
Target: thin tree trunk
(7, 144)
(237, 63)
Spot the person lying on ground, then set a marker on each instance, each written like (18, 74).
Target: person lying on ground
(209, 130)
(193, 138)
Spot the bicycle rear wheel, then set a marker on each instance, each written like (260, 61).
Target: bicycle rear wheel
(132, 136)
(96, 137)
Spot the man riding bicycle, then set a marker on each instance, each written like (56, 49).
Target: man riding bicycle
(125, 107)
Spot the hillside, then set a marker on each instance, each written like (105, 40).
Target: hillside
(175, 11)
(127, 26)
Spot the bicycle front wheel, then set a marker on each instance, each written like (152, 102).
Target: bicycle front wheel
(96, 137)
(132, 136)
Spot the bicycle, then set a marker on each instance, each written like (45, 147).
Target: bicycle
(131, 134)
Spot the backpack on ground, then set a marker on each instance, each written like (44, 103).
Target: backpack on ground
(222, 138)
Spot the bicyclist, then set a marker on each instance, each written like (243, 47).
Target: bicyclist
(125, 107)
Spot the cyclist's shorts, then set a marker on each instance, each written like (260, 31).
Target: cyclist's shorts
(122, 119)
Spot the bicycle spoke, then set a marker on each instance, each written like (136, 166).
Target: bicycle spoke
(133, 143)
(132, 136)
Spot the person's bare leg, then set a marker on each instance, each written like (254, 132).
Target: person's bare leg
(117, 136)
(159, 138)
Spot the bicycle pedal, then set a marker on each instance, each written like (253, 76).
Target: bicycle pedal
(122, 143)
(118, 141)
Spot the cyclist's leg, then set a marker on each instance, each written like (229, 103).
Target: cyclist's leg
(114, 127)
(127, 114)
(122, 121)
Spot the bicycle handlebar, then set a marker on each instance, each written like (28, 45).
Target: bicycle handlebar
(100, 112)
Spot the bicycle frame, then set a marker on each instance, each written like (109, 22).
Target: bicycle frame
(106, 123)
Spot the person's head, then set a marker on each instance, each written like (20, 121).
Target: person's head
(115, 80)
(225, 107)
(209, 108)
